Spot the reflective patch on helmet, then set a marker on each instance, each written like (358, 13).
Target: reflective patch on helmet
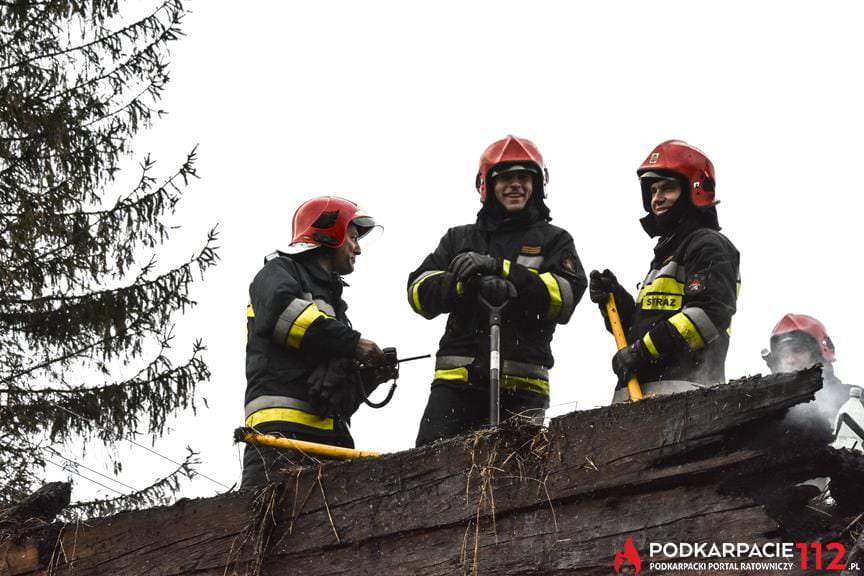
(655, 156)
(696, 284)
(326, 219)
(325, 239)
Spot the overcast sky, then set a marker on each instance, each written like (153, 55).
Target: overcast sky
(390, 104)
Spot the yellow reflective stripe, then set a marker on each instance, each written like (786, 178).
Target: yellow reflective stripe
(688, 331)
(649, 345)
(459, 287)
(460, 374)
(415, 290)
(525, 383)
(505, 268)
(554, 294)
(301, 324)
(662, 294)
(662, 285)
(289, 415)
(250, 312)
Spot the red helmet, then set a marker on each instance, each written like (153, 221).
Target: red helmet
(324, 221)
(683, 160)
(791, 323)
(517, 152)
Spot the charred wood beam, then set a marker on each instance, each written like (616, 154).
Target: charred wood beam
(517, 499)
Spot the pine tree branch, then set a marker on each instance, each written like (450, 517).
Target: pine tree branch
(126, 30)
(133, 331)
(149, 51)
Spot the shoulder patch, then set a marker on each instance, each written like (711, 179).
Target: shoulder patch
(530, 250)
(696, 284)
(569, 263)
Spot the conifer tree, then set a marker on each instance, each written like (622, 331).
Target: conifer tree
(86, 309)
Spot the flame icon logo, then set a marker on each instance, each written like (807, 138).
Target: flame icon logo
(630, 554)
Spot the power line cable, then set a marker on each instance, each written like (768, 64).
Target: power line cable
(78, 464)
(68, 469)
(140, 445)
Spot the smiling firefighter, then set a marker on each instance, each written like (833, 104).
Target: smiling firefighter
(511, 256)
(678, 325)
(303, 357)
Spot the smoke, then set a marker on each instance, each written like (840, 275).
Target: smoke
(820, 413)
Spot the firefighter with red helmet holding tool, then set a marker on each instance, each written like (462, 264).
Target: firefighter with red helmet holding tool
(677, 328)
(302, 355)
(510, 256)
(797, 342)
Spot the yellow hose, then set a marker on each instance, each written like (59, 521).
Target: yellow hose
(244, 435)
(621, 341)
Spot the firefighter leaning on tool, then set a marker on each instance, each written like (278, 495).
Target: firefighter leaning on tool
(797, 342)
(511, 253)
(678, 326)
(302, 355)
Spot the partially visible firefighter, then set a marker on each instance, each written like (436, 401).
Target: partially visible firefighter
(304, 361)
(510, 254)
(799, 341)
(678, 326)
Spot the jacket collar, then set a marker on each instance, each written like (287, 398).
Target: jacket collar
(309, 261)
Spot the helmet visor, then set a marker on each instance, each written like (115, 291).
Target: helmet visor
(368, 231)
(793, 352)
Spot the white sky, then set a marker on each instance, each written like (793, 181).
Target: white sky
(391, 104)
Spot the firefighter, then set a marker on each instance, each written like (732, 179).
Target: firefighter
(302, 355)
(678, 326)
(511, 253)
(797, 342)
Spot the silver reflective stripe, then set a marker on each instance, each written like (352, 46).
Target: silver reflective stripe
(672, 270)
(508, 367)
(450, 362)
(425, 275)
(568, 303)
(414, 295)
(650, 277)
(530, 261)
(325, 307)
(513, 368)
(262, 402)
(703, 323)
(287, 319)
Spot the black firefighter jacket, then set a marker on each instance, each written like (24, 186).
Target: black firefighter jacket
(296, 320)
(542, 263)
(684, 309)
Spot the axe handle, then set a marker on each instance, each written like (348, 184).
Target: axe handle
(621, 341)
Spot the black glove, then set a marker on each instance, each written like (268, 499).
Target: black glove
(628, 361)
(468, 264)
(330, 384)
(602, 284)
(496, 290)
